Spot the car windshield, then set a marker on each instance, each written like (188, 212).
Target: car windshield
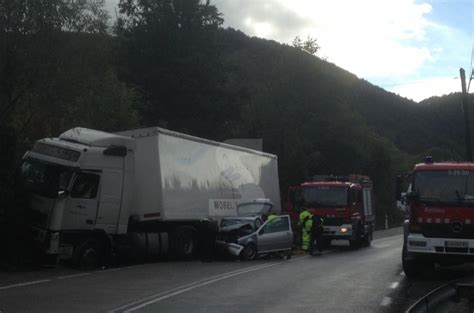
(44, 178)
(250, 209)
(322, 196)
(448, 186)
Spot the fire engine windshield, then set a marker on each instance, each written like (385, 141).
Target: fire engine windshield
(44, 178)
(450, 186)
(323, 196)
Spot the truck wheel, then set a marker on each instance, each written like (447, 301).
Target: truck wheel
(88, 256)
(249, 252)
(368, 238)
(356, 242)
(184, 244)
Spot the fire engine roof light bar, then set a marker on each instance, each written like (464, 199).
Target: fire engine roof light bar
(428, 159)
(353, 178)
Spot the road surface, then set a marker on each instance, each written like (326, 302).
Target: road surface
(341, 280)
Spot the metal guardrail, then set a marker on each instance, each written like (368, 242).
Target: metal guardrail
(443, 294)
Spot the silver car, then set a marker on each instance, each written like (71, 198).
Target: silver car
(248, 237)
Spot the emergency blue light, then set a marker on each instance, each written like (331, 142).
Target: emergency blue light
(428, 159)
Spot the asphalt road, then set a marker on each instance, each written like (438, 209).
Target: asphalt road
(341, 280)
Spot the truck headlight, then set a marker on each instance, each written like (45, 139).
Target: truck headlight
(343, 230)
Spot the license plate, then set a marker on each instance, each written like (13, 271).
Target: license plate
(456, 244)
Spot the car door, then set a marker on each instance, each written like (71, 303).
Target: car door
(275, 235)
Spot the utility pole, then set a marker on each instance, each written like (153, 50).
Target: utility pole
(465, 108)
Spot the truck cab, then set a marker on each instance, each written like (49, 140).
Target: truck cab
(440, 215)
(344, 203)
(77, 190)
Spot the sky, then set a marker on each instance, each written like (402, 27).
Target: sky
(413, 48)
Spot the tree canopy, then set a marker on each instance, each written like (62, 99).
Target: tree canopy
(171, 63)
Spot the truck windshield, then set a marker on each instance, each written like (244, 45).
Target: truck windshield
(450, 186)
(323, 196)
(44, 178)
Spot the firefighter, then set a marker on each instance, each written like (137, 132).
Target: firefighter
(317, 231)
(305, 226)
(272, 218)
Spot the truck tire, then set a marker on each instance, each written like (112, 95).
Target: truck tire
(249, 252)
(89, 255)
(184, 244)
(356, 242)
(411, 267)
(367, 241)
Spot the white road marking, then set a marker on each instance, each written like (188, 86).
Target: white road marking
(72, 276)
(381, 246)
(394, 285)
(187, 287)
(386, 301)
(25, 284)
(178, 292)
(109, 270)
(180, 287)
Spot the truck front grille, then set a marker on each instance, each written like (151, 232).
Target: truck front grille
(333, 221)
(446, 231)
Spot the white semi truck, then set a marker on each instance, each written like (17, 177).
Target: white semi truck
(141, 192)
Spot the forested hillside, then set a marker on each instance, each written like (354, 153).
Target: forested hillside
(170, 63)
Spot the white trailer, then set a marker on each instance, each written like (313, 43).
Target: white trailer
(95, 194)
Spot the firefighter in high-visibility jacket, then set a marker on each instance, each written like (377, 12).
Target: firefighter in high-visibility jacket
(306, 222)
(273, 218)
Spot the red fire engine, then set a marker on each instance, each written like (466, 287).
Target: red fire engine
(345, 204)
(440, 215)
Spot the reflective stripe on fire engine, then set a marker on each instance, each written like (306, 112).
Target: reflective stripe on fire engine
(439, 220)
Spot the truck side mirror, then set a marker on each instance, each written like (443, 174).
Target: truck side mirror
(412, 196)
(62, 193)
(398, 188)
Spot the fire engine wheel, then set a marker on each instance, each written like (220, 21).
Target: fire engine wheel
(249, 252)
(184, 244)
(368, 239)
(413, 267)
(357, 241)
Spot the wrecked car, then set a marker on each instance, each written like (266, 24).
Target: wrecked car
(249, 236)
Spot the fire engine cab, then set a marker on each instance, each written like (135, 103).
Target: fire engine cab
(439, 225)
(346, 205)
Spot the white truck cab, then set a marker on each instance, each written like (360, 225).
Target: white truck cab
(78, 185)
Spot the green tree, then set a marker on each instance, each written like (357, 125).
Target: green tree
(309, 45)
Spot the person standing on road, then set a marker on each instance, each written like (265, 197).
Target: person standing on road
(208, 230)
(305, 226)
(317, 231)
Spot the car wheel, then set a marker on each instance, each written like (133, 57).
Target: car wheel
(249, 252)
